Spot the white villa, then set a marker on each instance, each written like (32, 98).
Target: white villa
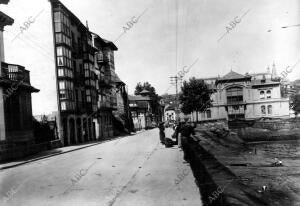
(248, 96)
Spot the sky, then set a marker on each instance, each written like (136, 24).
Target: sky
(151, 50)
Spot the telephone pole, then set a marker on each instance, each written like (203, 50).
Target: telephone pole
(174, 81)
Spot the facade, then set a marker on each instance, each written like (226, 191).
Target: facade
(85, 79)
(140, 109)
(4, 21)
(246, 97)
(169, 113)
(123, 113)
(107, 100)
(75, 76)
(17, 104)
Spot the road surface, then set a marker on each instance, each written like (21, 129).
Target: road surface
(134, 170)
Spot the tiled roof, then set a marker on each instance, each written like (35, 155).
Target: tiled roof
(5, 20)
(138, 98)
(145, 91)
(233, 75)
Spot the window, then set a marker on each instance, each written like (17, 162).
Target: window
(269, 109)
(59, 51)
(58, 38)
(62, 85)
(263, 109)
(57, 27)
(208, 114)
(60, 72)
(57, 17)
(268, 94)
(60, 61)
(63, 106)
(262, 94)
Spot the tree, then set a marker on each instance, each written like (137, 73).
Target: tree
(195, 96)
(147, 86)
(295, 103)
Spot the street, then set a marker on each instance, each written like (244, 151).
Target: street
(134, 170)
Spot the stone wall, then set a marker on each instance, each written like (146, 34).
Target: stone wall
(267, 129)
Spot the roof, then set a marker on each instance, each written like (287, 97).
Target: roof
(117, 79)
(233, 75)
(138, 98)
(145, 91)
(5, 20)
(72, 15)
(268, 82)
(106, 42)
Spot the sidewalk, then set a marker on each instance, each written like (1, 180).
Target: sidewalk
(54, 152)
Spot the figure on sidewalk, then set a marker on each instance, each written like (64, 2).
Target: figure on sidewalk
(187, 130)
(176, 132)
(162, 135)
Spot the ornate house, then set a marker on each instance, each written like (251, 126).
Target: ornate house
(248, 96)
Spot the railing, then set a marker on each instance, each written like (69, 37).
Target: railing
(15, 73)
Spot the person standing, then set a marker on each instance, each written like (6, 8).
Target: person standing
(187, 132)
(162, 135)
(177, 133)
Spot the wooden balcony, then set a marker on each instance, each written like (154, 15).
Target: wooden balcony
(14, 72)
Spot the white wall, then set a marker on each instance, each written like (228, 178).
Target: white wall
(34, 50)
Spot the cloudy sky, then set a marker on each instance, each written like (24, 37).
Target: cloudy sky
(149, 50)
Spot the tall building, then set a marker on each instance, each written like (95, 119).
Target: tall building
(107, 99)
(249, 96)
(75, 76)
(85, 79)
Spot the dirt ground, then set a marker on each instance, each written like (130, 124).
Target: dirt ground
(253, 165)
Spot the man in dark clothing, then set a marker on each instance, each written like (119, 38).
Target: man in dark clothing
(176, 132)
(186, 131)
(162, 135)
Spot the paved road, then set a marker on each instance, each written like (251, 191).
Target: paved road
(135, 170)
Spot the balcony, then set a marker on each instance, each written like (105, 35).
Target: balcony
(101, 58)
(109, 104)
(14, 72)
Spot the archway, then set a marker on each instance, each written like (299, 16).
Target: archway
(79, 130)
(65, 131)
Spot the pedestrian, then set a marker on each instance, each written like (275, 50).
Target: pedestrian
(162, 135)
(177, 132)
(187, 132)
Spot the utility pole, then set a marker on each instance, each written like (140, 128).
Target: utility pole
(174, 81)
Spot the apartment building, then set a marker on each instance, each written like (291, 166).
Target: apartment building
(86, 81)
(106, 85)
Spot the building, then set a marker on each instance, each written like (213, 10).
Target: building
(140, 108)
(248, 96)
(15, 80)
(85, 83)
(106, 85)
(122, 114)
(75, 76)
(4, 21)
